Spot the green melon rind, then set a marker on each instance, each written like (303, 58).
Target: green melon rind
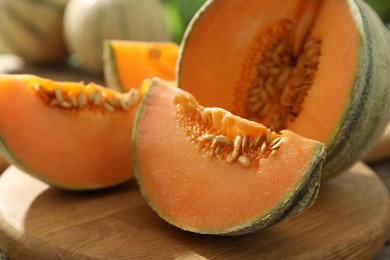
(367, 111)
(301, 197)
(110, 68)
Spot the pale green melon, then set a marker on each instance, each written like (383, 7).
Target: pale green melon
(33, 29)
(88, 23)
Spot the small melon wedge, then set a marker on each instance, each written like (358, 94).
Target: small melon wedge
(207, 171)
(128, 63)
(70, 135)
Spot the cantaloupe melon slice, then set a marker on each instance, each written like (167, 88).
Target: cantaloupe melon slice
(128, 63)
(71, 135)
(208, 171)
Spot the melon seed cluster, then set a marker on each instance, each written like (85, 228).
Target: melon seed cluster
(197, 124)
(275, 90)
(62, 98)
(242, 146)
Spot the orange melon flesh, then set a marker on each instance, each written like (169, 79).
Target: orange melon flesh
(128, 63)
(218, 45)
(206, 194)
(70, 148)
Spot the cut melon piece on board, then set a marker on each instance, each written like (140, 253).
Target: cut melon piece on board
(208, 171)
(71, 135)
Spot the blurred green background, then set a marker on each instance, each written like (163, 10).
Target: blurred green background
(382, 7)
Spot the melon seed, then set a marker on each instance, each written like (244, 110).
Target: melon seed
(276, 140)
(58, 94)
(97, 98)
(65, 104)
(244, 160)
(263, 147)
(91, 96)
(218, 150)
(237, 142)
(244, 143)
(234, 154)
(246, 150)
(208, 137)
(82, 99)
(221, 139)
(277, 144)
(268, 136)
(73, 100)
(108, 107)
(275, 79)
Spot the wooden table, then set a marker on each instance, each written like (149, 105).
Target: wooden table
(349, 220)
(382, 168)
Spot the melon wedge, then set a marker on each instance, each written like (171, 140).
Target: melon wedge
(70, 135)
(207, 171)
(128, 63)
(318, 67)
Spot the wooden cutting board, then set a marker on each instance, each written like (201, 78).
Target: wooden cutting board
(349, 220)
(381, 150)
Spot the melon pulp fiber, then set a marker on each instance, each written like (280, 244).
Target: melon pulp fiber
(328, 83)
(194, 185)
(72, 144)
(128, 63)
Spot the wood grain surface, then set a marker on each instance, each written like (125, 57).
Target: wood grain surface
(349, 220)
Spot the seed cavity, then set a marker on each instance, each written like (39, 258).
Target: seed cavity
(68, 98)
(198, 124)
(275, 81)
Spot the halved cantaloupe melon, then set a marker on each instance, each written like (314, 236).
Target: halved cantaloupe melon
(318, 68)
(70, 135)
(128, 63)
(208, 171)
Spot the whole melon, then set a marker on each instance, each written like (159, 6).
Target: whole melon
(87, 23)
(32, 30)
